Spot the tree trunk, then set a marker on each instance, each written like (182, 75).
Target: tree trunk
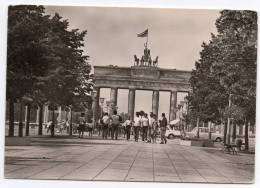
(20, 130)
(225, 133)
(240, 129)
(28, 117)
(53, 122)
(246, 137)
(234, 132)
(71, 121)
(209, 127)
(228, 133)
(40, 120)
(198, 130)
(11, 117)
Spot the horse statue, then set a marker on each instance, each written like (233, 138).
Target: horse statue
(136, 60)
(155, 62)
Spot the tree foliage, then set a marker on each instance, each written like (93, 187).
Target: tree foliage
(45, 59)
(227, 66)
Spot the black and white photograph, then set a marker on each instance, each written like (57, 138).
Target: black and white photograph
(130, 94)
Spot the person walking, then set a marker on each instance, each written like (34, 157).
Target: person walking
(106, 120)
(154, 130)
(82, 122)
(115, 125)
(127, 126)
(151, 119)
(90, 128)
(49, 126)
(163, 126)
(137, 125)
(145, 124)
(100, 126)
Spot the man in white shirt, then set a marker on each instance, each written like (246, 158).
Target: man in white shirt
(115, 125)
(106, 120)
(151, 122)
(128, 125)
(137, 125)
(145, 124)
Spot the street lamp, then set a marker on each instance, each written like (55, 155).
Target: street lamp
(180, 115)
(102, 103)
(94, 96)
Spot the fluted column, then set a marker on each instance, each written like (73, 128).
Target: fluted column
(113, 95)
(46, 114)
(131, 103)
(59, 114)
(155, 103)
(173, 102)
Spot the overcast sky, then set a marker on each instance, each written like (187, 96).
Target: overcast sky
(175, 35)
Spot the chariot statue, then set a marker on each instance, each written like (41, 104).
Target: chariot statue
(146, 59)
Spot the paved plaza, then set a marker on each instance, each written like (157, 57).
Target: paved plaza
(120, 160)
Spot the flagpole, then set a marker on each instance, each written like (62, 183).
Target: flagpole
(147, 40)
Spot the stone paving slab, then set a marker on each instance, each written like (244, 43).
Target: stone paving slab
(120, 160)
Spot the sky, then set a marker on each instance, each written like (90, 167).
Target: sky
(175, 35)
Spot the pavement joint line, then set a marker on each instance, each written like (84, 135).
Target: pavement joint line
(181, 158)
(132, 163)
(208, 155)
(196, 169)
(16, 170)
(109, 163)
(54, 161)
(93, 158)
(37, 172)
(46, 168)
(173, 165)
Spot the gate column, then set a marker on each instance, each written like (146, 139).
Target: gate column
(113, 96)
(173, 102)
(131, 103)
(155, 103)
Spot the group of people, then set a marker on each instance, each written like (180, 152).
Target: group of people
(141, 126)
(83, 126)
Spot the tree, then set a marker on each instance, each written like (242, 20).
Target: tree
(25, 54)
(227, 67)
(237, 68)
(67, 80)
(45, 60)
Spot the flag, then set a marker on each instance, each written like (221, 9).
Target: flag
(143, 34)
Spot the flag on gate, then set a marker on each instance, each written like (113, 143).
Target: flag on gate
(143, 34)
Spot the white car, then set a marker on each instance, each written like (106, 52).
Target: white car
(172, 133)
(204, 133)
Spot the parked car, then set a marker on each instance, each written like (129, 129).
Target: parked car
(204, 133)
(172, 132)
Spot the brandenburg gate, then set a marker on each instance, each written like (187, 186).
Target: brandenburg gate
(143, 75)
(141, 78)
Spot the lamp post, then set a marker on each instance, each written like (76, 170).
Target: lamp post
(180, 118)
(94, 96)
(71, 125)
(229, 119)
(102, 103)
